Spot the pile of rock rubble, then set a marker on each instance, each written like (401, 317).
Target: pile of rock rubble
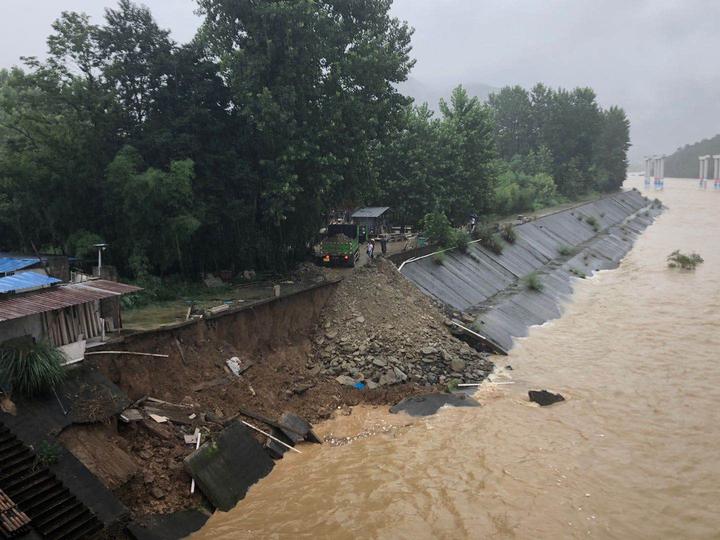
(378, 329)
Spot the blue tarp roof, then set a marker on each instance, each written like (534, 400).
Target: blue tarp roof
(11, 264)
(25, 280)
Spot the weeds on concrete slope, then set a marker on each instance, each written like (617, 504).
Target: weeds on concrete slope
(488, 239)
(508, 233)
(461, 239)
(566, 251)
(593, 222)
(687, 262)
(533, 283)
(439, 258)
(578, 273)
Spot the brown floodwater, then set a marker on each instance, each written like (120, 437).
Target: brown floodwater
(631, 454)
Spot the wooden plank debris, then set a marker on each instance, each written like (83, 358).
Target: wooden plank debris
(220, 381)
(129, 353)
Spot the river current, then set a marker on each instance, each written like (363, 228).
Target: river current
(632, 453)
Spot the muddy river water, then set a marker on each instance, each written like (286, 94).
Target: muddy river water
(633, 453)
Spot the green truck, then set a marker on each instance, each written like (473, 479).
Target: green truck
(341, 247)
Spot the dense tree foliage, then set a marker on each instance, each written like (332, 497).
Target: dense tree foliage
(586, 145)
(228, 151)
(684, 163)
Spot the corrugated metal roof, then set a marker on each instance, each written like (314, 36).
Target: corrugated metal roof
(11, 264)
(371, 212)
(25, 280)
(72, 294)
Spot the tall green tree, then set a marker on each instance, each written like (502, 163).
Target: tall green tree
(513, 117)
(313, 82)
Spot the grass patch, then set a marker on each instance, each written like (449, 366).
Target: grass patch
(47, 453)
(439, 258)
(31, 368)
(566, 251)
(578, 273)
(533, 283)
(687, 262)
(452, 385)
(508, 233)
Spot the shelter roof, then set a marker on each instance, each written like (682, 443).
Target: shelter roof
(371, 212)
(72, 294)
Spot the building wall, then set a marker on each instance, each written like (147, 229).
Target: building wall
(26, 326)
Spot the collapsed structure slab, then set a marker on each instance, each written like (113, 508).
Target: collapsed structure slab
(224, 469)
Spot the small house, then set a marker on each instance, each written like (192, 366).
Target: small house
(69, 315)
(373, 220)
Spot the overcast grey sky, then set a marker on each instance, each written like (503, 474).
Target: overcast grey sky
(655, 58)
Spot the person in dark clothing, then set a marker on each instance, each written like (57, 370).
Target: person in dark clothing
(383, 244)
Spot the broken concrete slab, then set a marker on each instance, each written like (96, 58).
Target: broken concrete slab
(274, 448)
(297, 429)
(168, 526)
(224, 469)
(431, 403)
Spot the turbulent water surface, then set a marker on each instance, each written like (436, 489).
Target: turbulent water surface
(632, 453)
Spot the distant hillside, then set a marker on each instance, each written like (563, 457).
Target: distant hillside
(430, 93)
(684, 162)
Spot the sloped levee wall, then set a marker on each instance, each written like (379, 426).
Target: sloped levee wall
(491, 286)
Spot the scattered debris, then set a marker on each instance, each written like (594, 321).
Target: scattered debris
(159, 419)
(219, 381)
(131, 415)
(544, 398)
(237, 366)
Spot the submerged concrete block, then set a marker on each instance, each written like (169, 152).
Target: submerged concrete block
(224, 469)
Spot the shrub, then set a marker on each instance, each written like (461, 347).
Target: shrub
(566, 251)
(593, 222)
(488, 239)
(508, 233)
(437, 228)
(533, 283)
(32, 368)
(461, 239)
(439, 258)
(686, 262)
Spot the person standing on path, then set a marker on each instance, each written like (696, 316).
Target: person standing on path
(383, 244)
(370, 249)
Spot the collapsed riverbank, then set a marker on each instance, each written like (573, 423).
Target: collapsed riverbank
(368, 338)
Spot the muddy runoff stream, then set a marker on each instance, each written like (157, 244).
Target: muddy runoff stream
(632, 453)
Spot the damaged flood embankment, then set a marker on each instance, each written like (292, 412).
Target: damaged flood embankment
(507, 293)
(368, 338)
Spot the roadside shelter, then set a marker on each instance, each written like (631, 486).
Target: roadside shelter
(373, 219)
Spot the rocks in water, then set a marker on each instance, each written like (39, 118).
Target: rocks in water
(544, 398)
